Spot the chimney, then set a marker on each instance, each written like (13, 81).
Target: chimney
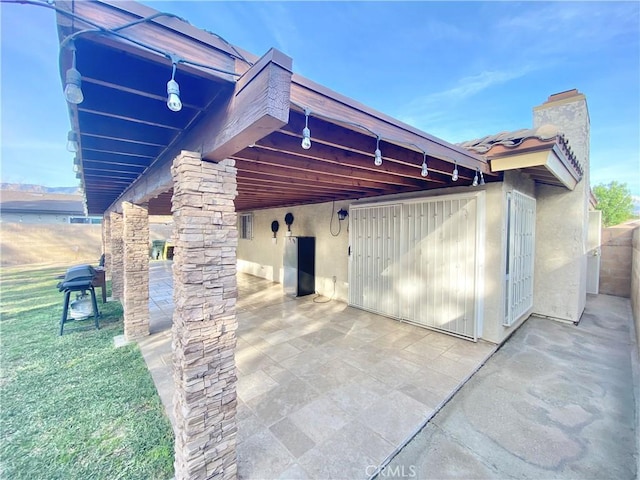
(568, 111)
(562, 217)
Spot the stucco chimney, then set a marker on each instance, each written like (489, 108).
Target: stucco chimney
(560, 284)
(568, 111)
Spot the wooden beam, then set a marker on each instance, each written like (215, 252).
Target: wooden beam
(167, 34)
(327, 133)
(353, 164)
(258, 106)
(325, 102)
(299, 173)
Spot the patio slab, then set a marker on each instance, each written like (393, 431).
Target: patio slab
(324, 390)
(556, 401)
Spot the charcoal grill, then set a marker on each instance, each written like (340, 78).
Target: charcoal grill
(78, 279)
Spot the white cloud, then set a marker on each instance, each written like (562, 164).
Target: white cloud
(434, 111)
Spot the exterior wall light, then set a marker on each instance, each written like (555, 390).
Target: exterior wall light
(454, 174)
(475, 179)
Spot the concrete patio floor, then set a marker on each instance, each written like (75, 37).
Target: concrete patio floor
(324, 390)
(556, 401)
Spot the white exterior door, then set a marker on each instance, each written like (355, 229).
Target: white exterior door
(593, 251)
(419, 261)
(521, 246)
(375, 252)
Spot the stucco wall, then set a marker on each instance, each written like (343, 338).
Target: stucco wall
(562, 220)
(28, 243)
(560, 280)
(33, 218)
(261, 257)
(495, 255)
(615, 260)
(635, 282)
(23, 244)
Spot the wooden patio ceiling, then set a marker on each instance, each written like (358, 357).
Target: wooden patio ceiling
(126, 130)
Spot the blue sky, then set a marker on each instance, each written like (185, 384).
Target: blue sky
(456, 70)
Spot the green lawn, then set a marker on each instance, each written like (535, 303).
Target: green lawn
(73, 407)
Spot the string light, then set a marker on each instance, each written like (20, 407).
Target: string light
(425, 171)
(173, 89)
(377, 154)
(306, 133)
(72, 142)
(481, 178)
(73, 83)
(475, 179)
(454, 174)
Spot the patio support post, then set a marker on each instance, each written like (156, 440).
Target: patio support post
(136, 270)
(106, 244)
(117, 253)
(204, 318)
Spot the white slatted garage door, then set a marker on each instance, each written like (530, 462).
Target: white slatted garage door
(418, 261)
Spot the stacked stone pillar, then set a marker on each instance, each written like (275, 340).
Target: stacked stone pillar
(136, 270)
(106, 244)
(204, 319)
(117, 254)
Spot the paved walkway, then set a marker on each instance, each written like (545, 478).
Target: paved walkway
(556, 401)
(324, 390)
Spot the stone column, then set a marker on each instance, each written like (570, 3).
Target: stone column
(106, 245)
(136, 270)
(204, 319)
(117, 254)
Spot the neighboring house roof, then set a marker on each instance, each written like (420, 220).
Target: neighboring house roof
(543, 152)
(40, 203)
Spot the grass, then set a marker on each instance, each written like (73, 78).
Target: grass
(73, 407)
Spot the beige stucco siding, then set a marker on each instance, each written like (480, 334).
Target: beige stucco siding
(261, 257)
(495, 255)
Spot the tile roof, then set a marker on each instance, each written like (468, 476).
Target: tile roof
(517, 140)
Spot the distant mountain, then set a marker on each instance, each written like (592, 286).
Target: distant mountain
(25, 187)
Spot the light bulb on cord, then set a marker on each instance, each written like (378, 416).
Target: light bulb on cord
(72, 142)
(425, 171)
(475, 180)
(306, 133)
(73, 81)
(377, 154)
(173, 91)
(454, 175)
(481, 179)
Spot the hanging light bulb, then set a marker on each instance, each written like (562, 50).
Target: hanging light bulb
(377, 154)
(73, 82)
(454, 174)
(72, 142)
(306, 133)
(425, 171)
(475, 179)
(173, 91)
(481, 179)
